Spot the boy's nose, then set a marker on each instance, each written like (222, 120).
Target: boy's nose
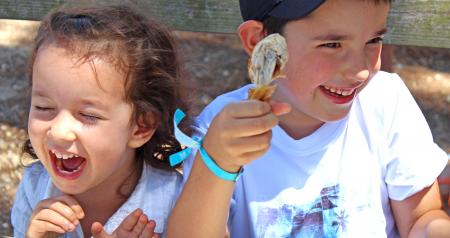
(62, 129)
(357, 68)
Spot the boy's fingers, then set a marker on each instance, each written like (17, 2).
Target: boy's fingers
(252, 143)
(98, 231)
(250, 156)
(130, 221)
(248, 108)
(252, 126)
(149, 229)
(280, 108)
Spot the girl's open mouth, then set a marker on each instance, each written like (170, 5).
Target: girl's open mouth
(68, 166)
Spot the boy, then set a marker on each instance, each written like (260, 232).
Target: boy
(325, 158)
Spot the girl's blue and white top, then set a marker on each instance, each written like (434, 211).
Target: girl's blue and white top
(155, 193)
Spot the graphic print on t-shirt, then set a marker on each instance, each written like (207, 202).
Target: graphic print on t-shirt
(321, 218)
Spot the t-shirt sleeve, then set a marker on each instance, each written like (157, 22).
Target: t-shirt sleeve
(28, 193)
(413, 159)
(21, 211)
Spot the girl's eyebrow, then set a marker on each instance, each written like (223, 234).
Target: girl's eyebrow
(94, 103)
(38, 93)
(84, 101)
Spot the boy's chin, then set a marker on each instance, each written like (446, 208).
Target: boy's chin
(336, 116)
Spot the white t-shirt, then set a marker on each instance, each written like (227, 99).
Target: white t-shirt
(336, 182)
(155, 194)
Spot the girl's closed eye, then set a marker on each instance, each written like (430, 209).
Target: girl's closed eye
(90, 117)
(43, 108)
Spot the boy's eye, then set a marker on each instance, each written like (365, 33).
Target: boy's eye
(331, 45)
(376, 40)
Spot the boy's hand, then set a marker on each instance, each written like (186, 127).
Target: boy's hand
(241, 132)
(54, 216)
(135, 225)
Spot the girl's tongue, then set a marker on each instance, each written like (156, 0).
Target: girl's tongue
(72, 164)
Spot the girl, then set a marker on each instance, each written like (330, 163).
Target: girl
(105, 85)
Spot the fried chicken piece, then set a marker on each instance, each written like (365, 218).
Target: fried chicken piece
(268, 59)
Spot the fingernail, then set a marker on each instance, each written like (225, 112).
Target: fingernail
(71, 227)
(76, 222)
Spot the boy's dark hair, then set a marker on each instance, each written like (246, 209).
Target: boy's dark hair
(276, 24)
(136, 45)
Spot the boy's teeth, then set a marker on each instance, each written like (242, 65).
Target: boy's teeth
(346, 93)
(339, 91)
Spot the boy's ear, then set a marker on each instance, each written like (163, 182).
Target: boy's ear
(250, 33)
(142, 131)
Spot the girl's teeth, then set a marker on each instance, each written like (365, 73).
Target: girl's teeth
(63, 156)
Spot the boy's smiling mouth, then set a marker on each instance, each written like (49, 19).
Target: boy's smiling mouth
(339, 95)
(67, 165)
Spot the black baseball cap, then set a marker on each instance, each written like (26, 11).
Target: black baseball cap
(285, 9)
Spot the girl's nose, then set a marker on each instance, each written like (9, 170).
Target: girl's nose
(62, 129)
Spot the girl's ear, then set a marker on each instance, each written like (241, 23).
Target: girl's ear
(142, 131)
(250, 33)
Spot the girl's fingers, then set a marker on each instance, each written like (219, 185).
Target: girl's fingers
(130, 221)
(73, 204)
(140, 226)
(98, 231)
(149, 229)
(38, 227)
(64, 210)
(53, 218)
(156, 235)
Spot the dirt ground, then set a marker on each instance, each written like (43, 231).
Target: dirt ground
(216, 64)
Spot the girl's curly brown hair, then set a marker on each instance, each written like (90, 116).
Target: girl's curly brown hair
(138, 46)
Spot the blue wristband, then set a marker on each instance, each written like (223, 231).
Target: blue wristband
(196, 143)
(216, 170)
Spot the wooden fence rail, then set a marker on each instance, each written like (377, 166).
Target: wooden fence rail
(411, 22)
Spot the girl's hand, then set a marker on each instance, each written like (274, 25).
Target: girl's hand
(54, 216)
(241, 132)
(135, 225)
